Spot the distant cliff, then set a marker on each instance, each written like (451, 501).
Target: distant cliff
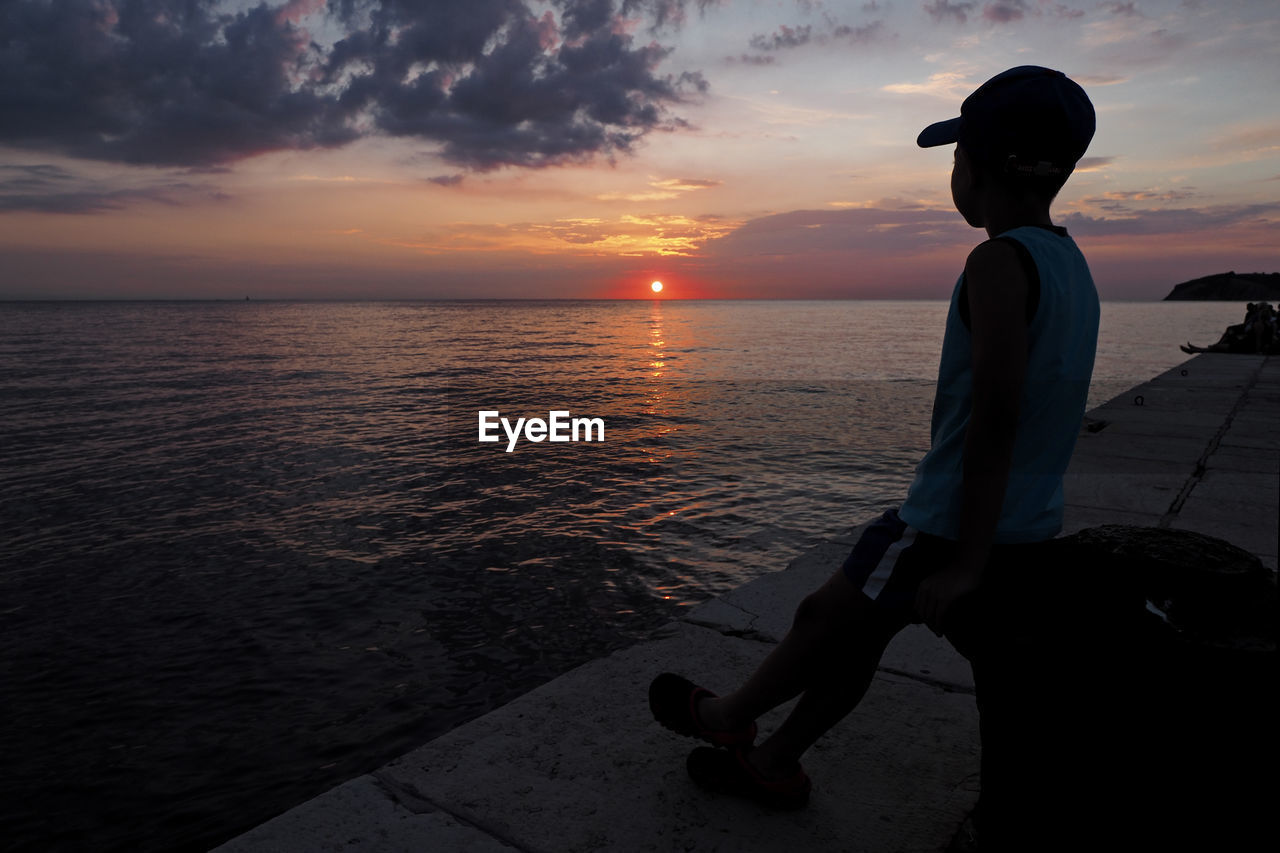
(1230, 286)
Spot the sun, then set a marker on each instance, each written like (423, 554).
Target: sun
(656, 287)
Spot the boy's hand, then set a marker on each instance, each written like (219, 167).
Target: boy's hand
(939, 591)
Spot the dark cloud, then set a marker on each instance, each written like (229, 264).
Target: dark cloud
(859, 35)
(1175, 220)
(899, 226)
(1004, 11)
(446, 180)
(189, 84)
(1058, 10)
(1126, 10)
(664, 13)
(944, 10)
(786, 37)
(44, 188)
(803, 232)
(1144, 195)
(783, 38)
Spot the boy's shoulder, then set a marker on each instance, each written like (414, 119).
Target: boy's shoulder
(1020, 247)
(997, 287)
(993, 266)
(997, 250)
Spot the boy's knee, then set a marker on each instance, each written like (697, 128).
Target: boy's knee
(832, 611)
(810, 614)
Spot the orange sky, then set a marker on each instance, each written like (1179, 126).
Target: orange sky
(754, 149)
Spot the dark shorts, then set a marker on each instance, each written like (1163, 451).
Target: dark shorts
(891, 559)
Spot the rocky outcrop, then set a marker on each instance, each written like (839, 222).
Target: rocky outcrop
(1229, 287)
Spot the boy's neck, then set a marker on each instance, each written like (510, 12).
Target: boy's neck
(1007, 214)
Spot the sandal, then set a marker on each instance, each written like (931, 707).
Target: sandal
(729, 772)
(674, 702)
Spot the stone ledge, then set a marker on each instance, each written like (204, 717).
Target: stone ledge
(362, 815)
(579, 765)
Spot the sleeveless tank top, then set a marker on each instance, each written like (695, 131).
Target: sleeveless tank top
(1062, 337)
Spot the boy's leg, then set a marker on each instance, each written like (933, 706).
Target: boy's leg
(829, 655)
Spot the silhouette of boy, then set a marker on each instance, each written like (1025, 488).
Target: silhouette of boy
(1016, 362)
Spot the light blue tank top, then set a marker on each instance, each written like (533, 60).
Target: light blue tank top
(1062, 337)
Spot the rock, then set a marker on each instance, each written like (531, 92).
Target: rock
(1128, 693)
(1212, 592)
(1228, 286)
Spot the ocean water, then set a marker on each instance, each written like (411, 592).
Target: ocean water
(251, 550)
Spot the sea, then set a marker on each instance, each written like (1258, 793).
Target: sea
(250, 550)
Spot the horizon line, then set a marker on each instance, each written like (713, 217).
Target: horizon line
(335, 299)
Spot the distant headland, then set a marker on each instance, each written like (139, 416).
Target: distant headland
(1229, 287)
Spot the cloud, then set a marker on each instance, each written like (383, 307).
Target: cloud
(904, 248)
(1059, 10)
(944, 84)
(1004, 11)
(45, 188)
(1249, 141)
(1099, 79)
(1176, 220)
(654, 235)
(686, 184)
(859, 35)
(892, 227)
(1126, 10)
(1149, 195)
(490, 82)
(785, 37)
(1093, 164)
(1115, 205)
(878, 228)
(663, 13)
(663, 189)
(944, 10)
(999, 11)
(830, 30)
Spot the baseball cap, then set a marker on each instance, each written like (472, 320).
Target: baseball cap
(1028, 119)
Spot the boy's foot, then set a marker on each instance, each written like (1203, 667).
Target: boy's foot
(730, 772)
(674, 702)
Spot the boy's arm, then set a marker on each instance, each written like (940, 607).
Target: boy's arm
(997, 294)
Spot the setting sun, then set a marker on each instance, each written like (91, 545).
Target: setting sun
(656, 286)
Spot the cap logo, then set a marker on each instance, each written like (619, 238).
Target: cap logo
(1041, 168)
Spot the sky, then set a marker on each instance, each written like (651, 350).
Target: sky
(585, 148)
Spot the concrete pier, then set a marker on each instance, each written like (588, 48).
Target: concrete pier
(579, 765)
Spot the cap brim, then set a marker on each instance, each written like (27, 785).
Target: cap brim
(940, 133)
